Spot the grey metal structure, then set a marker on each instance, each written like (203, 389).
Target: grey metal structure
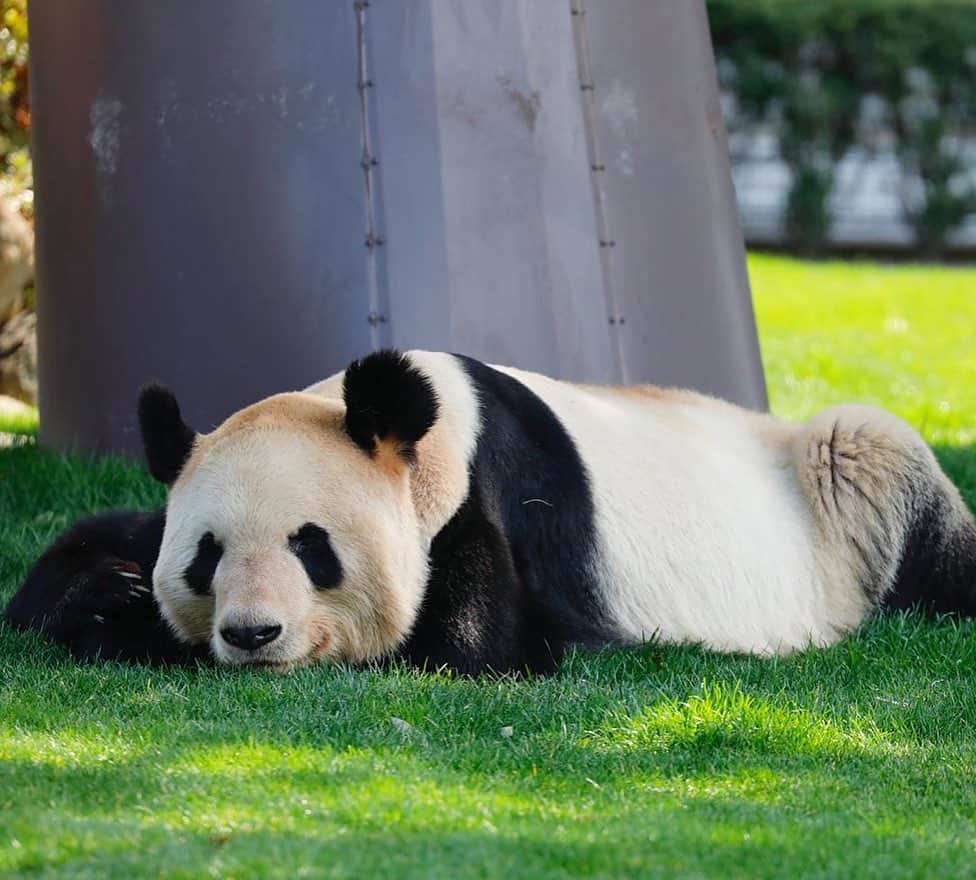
(239, 198)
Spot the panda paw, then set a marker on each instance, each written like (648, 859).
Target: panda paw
(113, 586)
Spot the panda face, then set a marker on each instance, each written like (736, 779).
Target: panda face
(287, 543)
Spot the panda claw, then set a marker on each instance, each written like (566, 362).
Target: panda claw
(129, 575)
(129, 566)
(98, 618)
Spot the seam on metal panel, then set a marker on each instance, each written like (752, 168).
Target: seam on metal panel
(615, 319)
(368, 162)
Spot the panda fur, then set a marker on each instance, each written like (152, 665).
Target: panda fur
(513, 516)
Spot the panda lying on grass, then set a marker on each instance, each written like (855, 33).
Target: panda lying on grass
(428, 506)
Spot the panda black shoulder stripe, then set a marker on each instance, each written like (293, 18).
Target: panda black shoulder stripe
(528, 461)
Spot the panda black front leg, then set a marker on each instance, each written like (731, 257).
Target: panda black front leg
(476, 614)
(92, 591)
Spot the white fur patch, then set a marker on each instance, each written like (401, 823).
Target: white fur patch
(440, 479)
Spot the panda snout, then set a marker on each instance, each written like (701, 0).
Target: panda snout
(250, 638)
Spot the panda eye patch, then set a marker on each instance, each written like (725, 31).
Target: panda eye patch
(313, 548)
(199, 573)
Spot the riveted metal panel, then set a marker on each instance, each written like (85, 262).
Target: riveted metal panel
(675, 270)
(200, 210)
(491, 244)
(240, 198)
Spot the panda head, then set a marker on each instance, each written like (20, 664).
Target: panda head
(291, 534)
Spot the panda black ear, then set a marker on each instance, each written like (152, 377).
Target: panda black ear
(388, 401)
(166, 438)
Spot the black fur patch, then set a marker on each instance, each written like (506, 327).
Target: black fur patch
(166, 438)
(476, 615)
(540, 488)
(313, 548)
(387, 398)
(92, 591)
(199, 573)
(937, 572)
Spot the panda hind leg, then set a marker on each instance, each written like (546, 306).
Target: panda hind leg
(884, 507)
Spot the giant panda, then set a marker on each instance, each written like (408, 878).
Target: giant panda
(427, 506)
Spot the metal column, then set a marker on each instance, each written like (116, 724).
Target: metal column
(240, 198)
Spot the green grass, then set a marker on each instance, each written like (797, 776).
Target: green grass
(20, 424)
(900, 337)
(858, 760)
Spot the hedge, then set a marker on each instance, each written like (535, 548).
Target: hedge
(827, 75)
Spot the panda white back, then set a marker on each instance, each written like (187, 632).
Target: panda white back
(704, 534)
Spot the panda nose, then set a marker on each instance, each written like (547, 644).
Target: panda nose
(250, 638)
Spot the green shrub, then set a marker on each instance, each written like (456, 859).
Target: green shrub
(805, 67)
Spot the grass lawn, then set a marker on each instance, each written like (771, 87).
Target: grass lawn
(859, 760)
